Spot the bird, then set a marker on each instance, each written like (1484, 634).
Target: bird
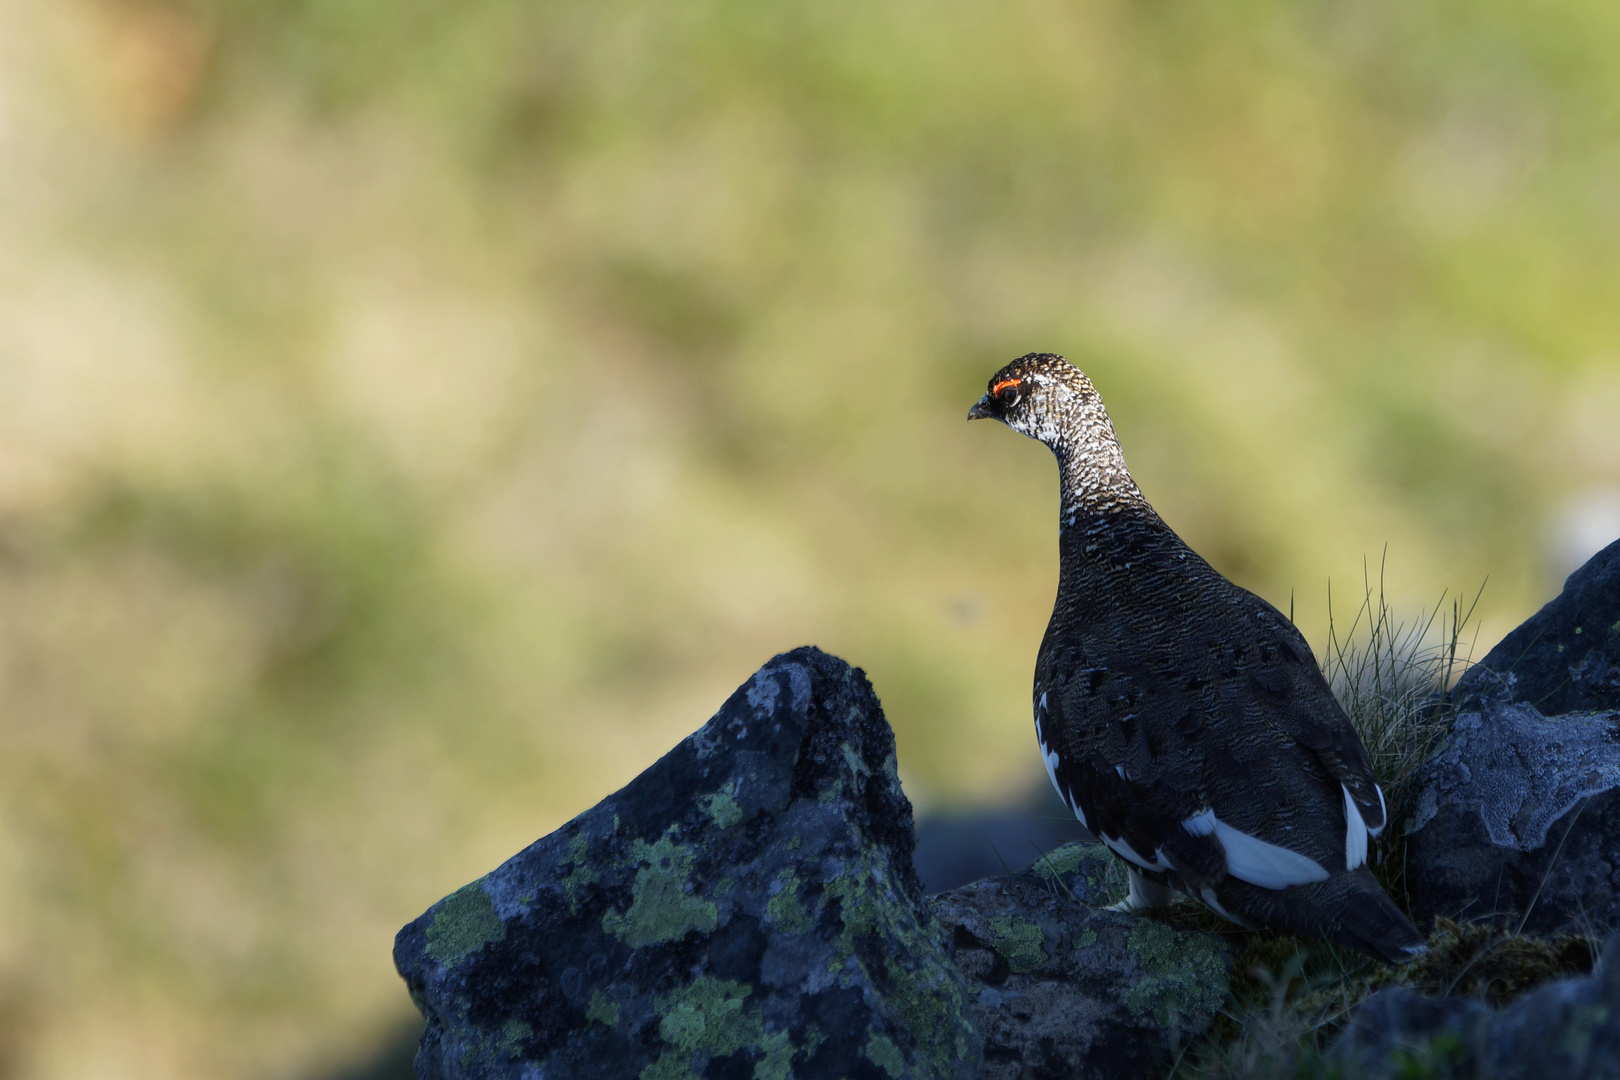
(1183, 719)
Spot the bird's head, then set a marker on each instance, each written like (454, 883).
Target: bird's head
(1043, 396)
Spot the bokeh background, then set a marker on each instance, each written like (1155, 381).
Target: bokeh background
(416, 417)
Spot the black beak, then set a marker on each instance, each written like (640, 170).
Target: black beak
(981, 411)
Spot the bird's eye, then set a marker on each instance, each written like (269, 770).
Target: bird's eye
(1007, 391)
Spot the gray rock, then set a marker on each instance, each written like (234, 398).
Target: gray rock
(1566, 657)
(1062, 989)
(1569, 1029)
(744, 908)
(1519, 815)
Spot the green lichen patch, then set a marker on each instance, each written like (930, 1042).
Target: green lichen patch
(465, 922)
(722, 809)
(1019, 941)
(662, 906)
(602, 1009)
(579, 873)
(708, 1015)
(776, 1057)
(928, 999)
(513, 1032)
(926, 992)
(857, 909)
(785, 909)
(505, 1043)
(712, 1016)
(881, 1051)
(1182, 975)
(670, 1065)
(1085, 939)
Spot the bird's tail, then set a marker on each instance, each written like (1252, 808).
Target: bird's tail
(1370, 922)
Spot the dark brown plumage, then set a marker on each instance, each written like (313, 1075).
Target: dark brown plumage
(1182, 718)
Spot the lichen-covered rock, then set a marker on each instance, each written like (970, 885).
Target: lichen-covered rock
(1566, 657)
(1062, 989)
(1518, 816)
(744, 908)
(1565, 1029)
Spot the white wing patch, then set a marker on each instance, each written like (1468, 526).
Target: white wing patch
(1050, 756)
(1383, 812)
(1051, 759)
(1248, 858)
(1080, 815)
(1355, 832)
(1201, 823)
(1123, 849)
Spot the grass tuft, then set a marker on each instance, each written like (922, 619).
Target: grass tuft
(1391, 678)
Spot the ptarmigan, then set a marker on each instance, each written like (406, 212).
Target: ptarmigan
(1182, 718)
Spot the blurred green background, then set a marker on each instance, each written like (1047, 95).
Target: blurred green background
(414, 417)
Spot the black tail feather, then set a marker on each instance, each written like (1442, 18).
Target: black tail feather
(1370, 922)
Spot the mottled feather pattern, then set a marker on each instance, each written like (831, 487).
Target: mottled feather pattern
(1183, 718)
